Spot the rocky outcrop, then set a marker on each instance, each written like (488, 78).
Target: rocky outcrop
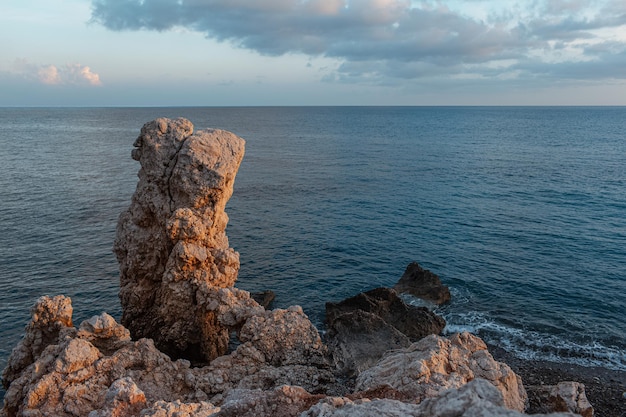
(171, 242)
(565, 396)
(50, 316)
(357, 340)
(477, 398)
(434, 364)
(414, 322)
(362, 328)
(422, 283)
(97, 369)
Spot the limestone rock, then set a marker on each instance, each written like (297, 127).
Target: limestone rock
(477, 398)
(285, 337)
(72, 376)
(104, 333)
(423, 284)
(565, 396)
(414, 322)
(179, 409)
(357, 340)
(50, 316)
(283, 401)
(434, 364)
(171, 242)
(232, 306)
(123, 399)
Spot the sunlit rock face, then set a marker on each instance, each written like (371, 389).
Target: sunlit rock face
(171, 242)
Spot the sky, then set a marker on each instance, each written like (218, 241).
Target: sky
(312, 52)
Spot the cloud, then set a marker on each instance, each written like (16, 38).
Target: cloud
(379, 40)
(69, 74)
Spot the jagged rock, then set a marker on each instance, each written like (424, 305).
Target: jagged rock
(50, 316)
(71, 375)
(434, 364)
(231, 306)
(285, 337)
(179, 409)
(171, 242)
(264, 298)
(414, 322)
(357, 340)
(565, 396)
(423, 284)
(477, 398)
(283, 401)
(104, 333)
(123, 399)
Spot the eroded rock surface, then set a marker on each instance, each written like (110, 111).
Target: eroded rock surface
(171, 242)
(477, 398)
(362, 328)
(434, 364)
(50, 316)
(565, 396)
(97, 369)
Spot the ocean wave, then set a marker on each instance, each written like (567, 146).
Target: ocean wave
(535, 345)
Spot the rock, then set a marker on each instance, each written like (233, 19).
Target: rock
(179, 409)
(565, 396)
(50, 316)
(283, 401)
(423, 284)
(231, 306)
(357, 340)
(477, 398)
(72, 376)
(434, 364)
(285, 337)
(104, 333)
(123, 399)
(171, 242)
(264, 298)
(414, 322)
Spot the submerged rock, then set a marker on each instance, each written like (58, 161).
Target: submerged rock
(422, 283)
(171, 242)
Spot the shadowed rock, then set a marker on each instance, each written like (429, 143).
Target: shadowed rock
(423, 284)
(414, 322)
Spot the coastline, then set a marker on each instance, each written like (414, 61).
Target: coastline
(605, 388)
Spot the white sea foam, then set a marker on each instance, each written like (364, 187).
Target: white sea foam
(534, 345)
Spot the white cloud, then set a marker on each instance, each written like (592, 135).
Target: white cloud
(48, 75)
(69, 74)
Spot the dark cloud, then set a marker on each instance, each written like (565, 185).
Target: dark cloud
(379, 39)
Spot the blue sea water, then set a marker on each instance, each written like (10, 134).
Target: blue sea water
(520, 210)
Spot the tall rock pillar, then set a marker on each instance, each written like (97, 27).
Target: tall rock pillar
(171, 242)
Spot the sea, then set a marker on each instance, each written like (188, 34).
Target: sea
(521, 211)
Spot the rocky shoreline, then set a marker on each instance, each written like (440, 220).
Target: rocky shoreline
(192, 344)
